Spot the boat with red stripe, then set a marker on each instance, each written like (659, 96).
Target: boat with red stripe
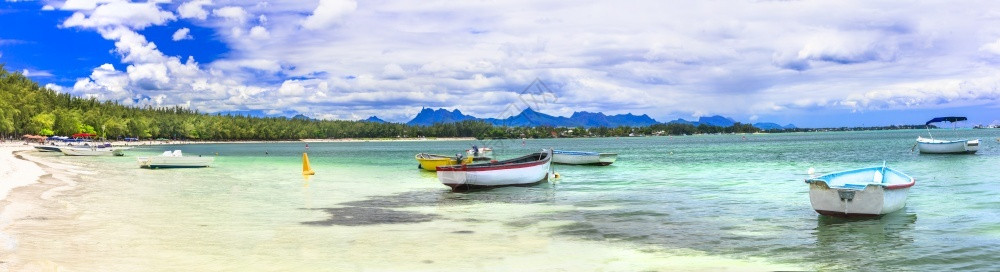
(865, 192)
(522, 171)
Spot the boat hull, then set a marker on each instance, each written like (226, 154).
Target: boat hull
(865, 192)
(495, 174)
(91, 152)
(930, 146)
(430, 162)
(47, 148)
(583, 158)
(174, 162)
(873, 201)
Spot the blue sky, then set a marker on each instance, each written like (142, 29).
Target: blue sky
(810, 63)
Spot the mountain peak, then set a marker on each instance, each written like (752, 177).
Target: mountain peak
(374, 119)
(428, 116)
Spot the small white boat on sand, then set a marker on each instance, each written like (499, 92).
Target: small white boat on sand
(526, 170)
(938, 146)
(583, 158)
(174, 159)
(865, 192)
(92, 151)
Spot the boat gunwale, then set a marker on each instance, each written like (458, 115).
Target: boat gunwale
(888, 186)
(501, 165)
(433, 157)
(946, 141)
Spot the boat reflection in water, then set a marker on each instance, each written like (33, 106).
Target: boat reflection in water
(887, 239)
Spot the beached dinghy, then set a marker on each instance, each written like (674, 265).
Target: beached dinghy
(92, 151)
(430, 162)
(583, 158)
(937, 146)
(865, 192)
(175, 159)
(526, 170)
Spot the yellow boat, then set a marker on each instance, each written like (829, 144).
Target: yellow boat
(430, 162)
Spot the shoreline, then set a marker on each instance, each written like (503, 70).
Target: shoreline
(29, 188)
(186, 142)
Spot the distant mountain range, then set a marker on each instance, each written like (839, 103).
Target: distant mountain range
(531, 118)
(721, 121)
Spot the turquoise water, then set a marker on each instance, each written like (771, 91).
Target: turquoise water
(369, 207)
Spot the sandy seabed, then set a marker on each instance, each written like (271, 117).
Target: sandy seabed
(31, 187)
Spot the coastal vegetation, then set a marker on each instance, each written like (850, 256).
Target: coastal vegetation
(28, 108)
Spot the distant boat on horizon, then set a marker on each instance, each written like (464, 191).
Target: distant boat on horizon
(938, 146)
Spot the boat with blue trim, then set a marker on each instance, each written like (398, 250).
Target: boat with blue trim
(583, 158)
(865, 192)
(938, 146)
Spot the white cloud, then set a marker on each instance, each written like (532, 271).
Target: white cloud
(83, 4)
(194, 9)
(35, 73)
(992, 48)
(259, 32)
(291, 87)
(48, 8)
(182, 34)
(133, 15)
(670, 59)
(329, 12)
(233, 13)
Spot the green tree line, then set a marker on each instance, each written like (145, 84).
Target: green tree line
(27, 108)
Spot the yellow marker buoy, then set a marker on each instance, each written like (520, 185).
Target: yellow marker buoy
(306, 170)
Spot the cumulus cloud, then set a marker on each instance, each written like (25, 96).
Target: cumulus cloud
(259, 32)
(194, 9)
(133, 15)
(336, 59)
(82, 4)
(182, 34)
(328, 13)
(234, 13)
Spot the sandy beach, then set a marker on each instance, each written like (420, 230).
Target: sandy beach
(27, 184)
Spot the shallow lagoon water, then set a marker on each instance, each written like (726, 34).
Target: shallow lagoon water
(670, 203)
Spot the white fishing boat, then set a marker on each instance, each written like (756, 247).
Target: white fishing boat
(526, 170)
(938, 146)
(479, 152)
(865, 192)
(175, 159)
(92, 151)
(583, 158)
